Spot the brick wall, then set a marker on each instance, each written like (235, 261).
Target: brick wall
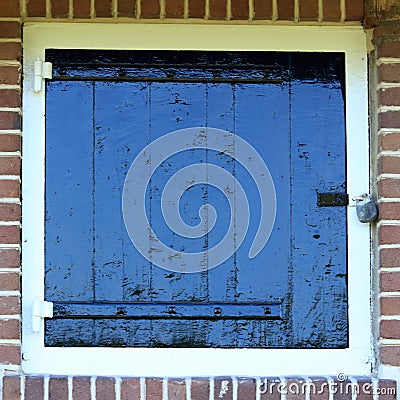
(225, 388)
(287, 10)
(387, 65)
(386, 129)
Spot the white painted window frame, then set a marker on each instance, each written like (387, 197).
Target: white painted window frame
(355, 360)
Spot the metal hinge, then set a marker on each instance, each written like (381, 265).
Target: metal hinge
(41, 309)
(42, 71)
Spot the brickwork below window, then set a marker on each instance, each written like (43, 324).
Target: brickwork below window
(225, 388)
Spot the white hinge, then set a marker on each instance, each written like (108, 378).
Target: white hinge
(41, 309)
(43, 70)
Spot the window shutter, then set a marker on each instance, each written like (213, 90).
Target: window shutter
(103, 108)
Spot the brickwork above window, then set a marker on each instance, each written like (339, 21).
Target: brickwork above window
(301, 11)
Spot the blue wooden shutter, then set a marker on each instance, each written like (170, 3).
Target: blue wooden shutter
(103, 108)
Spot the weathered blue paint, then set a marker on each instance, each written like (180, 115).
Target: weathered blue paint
(103, 108)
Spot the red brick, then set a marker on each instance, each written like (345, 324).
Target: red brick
(389, 119)
(10, 51)
(34, 388)
(389, 49)
(154, 389)
(218, 9)
(10, 212)
(263, 9)
(319, 390)
(381, 31)
(389, 258)
(390, 355)
(127, 8)
(343, 390)
(174, 8)
(150, 9)
(130, 389)
(389, 96)
(386, 385)
(10, 142)
(286, 9)
(308, 10)
(389, 73)
(240, 9)
(294, 389)
(176, 389)
(390, 305)
(105, 389)
(10, 98)
(389, 234)
(11, 388)
(58, 389)
(390, 141)
(354, 10)
(36, 8)
(269, 389)
(365, 389)
(389, 165)
(9, 329)
(389, 188)
(246, 389)
(200, 389)
(223, 388)
(9, 281)
(10, 166)
(10, 30)
(81, 388)
(59, 8)
(103, 8)
(10, 120)
(81, 8)
(10, 75)
(197, 8)
(9, 8)
(10, 258)
(9, 188)
(10, 235)
(390, 281)
(389, 211)
(331, 10)
(9, 305)
(11, 355)
(390, 329)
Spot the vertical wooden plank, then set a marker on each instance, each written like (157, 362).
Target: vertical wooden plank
(220, 114)
(262, 119)
(175, 106)
(69, 202)
(319, 233)
(121, 131)
(222, 279)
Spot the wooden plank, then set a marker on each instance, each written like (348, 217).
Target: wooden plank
(69, 201)
(319, 239)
